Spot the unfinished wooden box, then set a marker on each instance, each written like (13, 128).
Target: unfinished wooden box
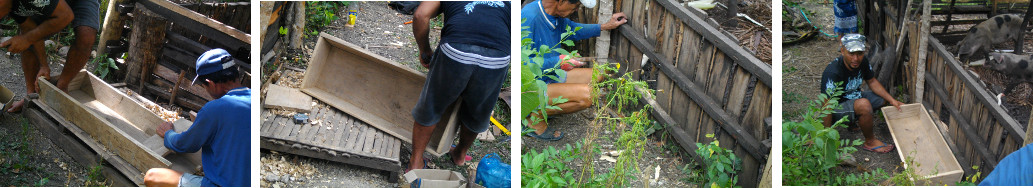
(917, 137)
(116, 121)
(374, 89)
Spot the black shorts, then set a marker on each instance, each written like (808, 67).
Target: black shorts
(449, 81)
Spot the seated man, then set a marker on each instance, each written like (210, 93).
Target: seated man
(36, 22)
(222, 130)
(546, 20)
(852, 69)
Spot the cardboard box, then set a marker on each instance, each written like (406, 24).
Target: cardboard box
(917, 136)
(433, 178)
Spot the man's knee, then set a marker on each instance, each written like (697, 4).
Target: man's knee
(161, 177)
(862, 106)
(85, 36)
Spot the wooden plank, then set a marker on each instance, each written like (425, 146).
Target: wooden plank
(374, 162)
(287, 98)
(306, 128)
(708, 104)
(737, 53)
(225, 35)
(1010, 124)
(686, 141)
(113, 139)
(966, 128)
(157, 144)
(362, 94)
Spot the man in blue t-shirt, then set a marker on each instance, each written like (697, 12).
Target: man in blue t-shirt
(222, 130)
(470, 63)
(546, 20)
(846, 73)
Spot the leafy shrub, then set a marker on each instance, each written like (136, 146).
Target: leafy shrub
(810, 150)
(721, 164)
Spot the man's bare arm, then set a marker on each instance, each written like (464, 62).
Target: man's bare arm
(421, 28)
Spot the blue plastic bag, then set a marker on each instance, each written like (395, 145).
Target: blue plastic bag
(492, 172)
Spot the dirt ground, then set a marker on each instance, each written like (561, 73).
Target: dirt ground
(381, 30)
(802, 66)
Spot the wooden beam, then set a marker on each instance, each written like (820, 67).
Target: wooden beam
(195, 49)
(205, 26)
(984, 98)
(709, 105)
(741, 56)
(683, 138)
(112, 26)
(968, 129)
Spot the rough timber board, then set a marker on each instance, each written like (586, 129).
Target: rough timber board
(114, 139)
(916, 136)
(287, 98)
(372, 88)
(322, 142)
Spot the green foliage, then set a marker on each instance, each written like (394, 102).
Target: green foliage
(104, 66)
(971, 180)
(41, 182)
(532, 96)
(319, 14)
(864, 179)
(283, 30)
(810, 149)
(549, 169)
(721, 164)
(94, 178)
(16, 161)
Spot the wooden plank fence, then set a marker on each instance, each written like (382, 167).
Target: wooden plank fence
(706, 83)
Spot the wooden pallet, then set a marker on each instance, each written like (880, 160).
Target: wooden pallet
(336, 137)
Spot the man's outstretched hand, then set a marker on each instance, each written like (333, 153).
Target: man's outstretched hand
(164, 127)
(16, 44)
(615, 20)
(897, 104)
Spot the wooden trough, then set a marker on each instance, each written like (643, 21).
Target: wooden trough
(115, 121)
(918, 138)
(374, 89)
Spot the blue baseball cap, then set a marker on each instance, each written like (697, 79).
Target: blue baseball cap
(213, 60)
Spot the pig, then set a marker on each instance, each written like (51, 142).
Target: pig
(995, 30)
(1012, 65)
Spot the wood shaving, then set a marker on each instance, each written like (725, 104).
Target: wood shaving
(291, 79)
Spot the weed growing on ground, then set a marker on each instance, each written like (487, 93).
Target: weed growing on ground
(104, 65)
(721, 164)
(94, 178)
(971, 180)
(319, 14)
(15, 160)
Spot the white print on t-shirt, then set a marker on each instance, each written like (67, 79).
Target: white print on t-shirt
(471, 5)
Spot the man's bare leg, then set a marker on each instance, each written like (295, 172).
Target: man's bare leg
(31, 66)
(866, 120)
(78, 54)
(578, 98)
(420, 138)
(582, 76)
(162, 177)
(466, 138)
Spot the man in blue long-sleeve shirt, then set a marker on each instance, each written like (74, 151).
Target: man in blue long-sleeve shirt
(221, 130)
(546, 20)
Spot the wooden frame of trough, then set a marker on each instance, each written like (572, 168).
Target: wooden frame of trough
(115, 122)
(374, 89)
(918, 138)
(706, 83)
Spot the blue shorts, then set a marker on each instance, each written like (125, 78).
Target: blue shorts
(190, 180)
(449, 80)
(846, 108)
(87, 13)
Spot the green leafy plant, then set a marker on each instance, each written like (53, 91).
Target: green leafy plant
(721, 164)
(549, 169)
(319, 14)
(971, 180)
(810, 149)
(283, 30)
(104, 66)
(533, 99)
(95, 178)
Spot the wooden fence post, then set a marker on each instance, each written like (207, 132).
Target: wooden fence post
(147, 39)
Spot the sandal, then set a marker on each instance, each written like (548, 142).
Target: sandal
(873, 149)
(547, 136)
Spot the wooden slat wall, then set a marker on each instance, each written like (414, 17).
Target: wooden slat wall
(741, 94)
(980, 129)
